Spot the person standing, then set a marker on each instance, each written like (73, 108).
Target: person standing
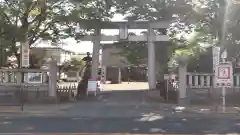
(87, 59)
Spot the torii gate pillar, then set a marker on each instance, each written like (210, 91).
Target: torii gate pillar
(151, 59)
(95, 54)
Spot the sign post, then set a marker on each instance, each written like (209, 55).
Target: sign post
(224, 79)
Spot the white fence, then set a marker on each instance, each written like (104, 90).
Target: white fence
(203, 80)
(200, 89)
(36, 78)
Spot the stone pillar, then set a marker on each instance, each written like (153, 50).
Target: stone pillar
(1, 76)
(44, 75)
(12, 76)
(52, 79)
(103, 74)
(119, 75)
(95, 54)
(151, 60)
(182, 73)
(19, 77)
(6, 76)
(78, 76)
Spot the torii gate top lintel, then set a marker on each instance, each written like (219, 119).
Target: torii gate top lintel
(127, 24)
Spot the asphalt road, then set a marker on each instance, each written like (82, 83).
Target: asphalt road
(119, 112)
(173, 125)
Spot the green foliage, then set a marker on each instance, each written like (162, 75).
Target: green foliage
(3, 57)
(75, 64)
(37, 58)
(192, 46)
(187, 18)
(28, 20)
(135, 52)
(152, 9)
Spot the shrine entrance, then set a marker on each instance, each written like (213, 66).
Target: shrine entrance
(124, 36)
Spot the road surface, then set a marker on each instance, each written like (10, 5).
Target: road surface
(172, 125)
(119, 112)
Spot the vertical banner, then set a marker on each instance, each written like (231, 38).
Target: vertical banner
(216, 56)
(25, 55)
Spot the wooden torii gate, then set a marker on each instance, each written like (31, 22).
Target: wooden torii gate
(123, 27)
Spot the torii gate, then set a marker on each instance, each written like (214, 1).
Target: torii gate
(123, 27)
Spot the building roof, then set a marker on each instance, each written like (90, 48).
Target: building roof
(50, 45)
(56, 48)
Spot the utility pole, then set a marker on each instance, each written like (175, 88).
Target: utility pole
(1, 49)
(223, 51)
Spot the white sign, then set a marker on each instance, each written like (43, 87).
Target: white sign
(92, 86)
(25, 55)
(224, 75)
(33, 78)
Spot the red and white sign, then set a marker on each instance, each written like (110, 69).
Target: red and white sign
(224, 75)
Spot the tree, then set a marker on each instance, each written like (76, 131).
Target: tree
(21, 24)
(188, 17)
(3, 57)
(74, 64)
(31, 20)
(77, 63)
(37, 57)
(215, 18)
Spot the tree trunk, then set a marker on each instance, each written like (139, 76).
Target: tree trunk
(3, 57)
(18, 57)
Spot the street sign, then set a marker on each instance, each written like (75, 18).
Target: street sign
(224, 75)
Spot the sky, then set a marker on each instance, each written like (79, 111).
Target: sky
(86, 46)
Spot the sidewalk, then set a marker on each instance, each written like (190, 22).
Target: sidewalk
(213, 109)
(115, 104)
(50, 109)
(153, 96)
(102, 110)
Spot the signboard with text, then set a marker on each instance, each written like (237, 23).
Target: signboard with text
(25, 55)
(92, 85)
(223, 75)
(33, 78)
